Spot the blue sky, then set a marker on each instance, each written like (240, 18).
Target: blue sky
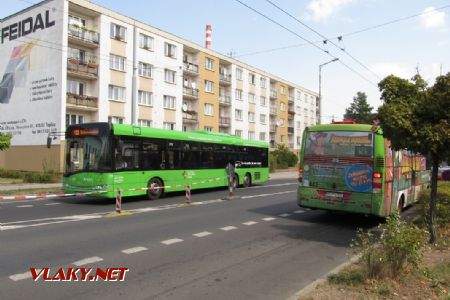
(400, 48)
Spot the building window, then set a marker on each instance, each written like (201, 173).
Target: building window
(239, 74)
(118, 32)
(209, 86)
(169, 125)
(238, 94)
(299, 124)
(169, 102)
(282, 106)
(170, 50)
(209, 64)
(75, 87)
(208, 128)
(116, 93)
(252, 78)
(145, 123)
(77, 20)
(238, 133)
(145, 98)
(169, 76)
(282, 139)
(282, 90)
(263, 82)
(117, 62)
(262, 100)
(209, 108)
(145, 70)
(115, 120)
(238, 114)
(262, 136)
(251, 135)
(251, 98)
(299, 140)
(251, 117)
(73, 119)
(145, 42)
(281, 121)
(262, 118)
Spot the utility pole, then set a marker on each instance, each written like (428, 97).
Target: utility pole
(320, 87)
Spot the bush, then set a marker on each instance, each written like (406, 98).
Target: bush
(11, 174)
(347, 278)
(283, 157)
(442, 204)
(397, 247)
(34, 177)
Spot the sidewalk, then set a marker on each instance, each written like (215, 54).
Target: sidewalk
(27, 186)
(284, 175)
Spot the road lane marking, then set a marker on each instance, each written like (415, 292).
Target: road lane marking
(268, 219)
(271, 185)
(298, 211)
(172, 241)
(17, 277)
(134, 250)
(250, 223)
(86, 261)
(21, 206)
(266, 195)
(284, 215)
(228, 228)
(202, 234)
(51, 204)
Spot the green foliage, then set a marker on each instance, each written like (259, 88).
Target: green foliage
(31, 177)
(442, 204)
(351, 277)
(272, 162)
(359, 110)
(34, 177)
(11, 174)
(397, 247)
(284, 157)
(382, 290)
(5, 141)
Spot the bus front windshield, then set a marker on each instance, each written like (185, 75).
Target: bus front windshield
(339, 143)
(89, 153)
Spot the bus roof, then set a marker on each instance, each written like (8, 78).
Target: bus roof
(341, 127)
(198, 135)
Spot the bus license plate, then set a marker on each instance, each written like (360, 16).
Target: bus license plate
(334, 195)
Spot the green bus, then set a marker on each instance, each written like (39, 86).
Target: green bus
(104, 158)
(351, 167)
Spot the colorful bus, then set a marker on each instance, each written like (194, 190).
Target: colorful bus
(351, 168)
(103, 157)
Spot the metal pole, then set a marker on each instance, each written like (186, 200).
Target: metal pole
(320, 86)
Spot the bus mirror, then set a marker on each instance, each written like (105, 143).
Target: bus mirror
(49, 142)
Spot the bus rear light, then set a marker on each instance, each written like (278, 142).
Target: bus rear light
(376, 175)
(300, 175)
(376, 181)
(300, 170)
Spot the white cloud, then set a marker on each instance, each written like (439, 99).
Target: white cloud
(322, 9)
(432, 18)
(385, 69)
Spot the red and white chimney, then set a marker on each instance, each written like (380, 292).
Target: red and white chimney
(208, 36)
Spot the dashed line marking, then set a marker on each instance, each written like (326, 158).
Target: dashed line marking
(51, 204)
(172, 241)
(21, 206)
(268, 219)
(17, 277)
(250, 223)
(298, 211)
(134, 250)
(202, 234)
(86, 261)
(228, 228)
(284, 215)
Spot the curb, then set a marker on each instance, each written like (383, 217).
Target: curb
(323, 278)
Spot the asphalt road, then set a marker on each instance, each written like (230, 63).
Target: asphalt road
(261, 246)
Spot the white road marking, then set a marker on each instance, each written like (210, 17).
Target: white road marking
(250, 223)
(134, 250)
(268, 219)
(228, 228)
(20, 206)
(265, 195)
(271, 185)
(298, 211)
(86, 261)
(202, 234)
(22, 276)
(284, 215)
(171, 241)
(51, 204)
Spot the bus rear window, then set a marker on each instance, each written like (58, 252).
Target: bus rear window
(339, 143)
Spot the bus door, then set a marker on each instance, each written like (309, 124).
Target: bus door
(389, 178)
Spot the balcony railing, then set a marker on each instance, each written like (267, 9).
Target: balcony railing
(190, 117)
(191, 92)
(225, 100)
(225, 78)
(290, 130)
(82, 100)
(87, 67)
(273, 94)
(84, 34)
(224, 121)
(190, 67)
(291, 145)
(291, 99)
(273, 128)
(273, 110)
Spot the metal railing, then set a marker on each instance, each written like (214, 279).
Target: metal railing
(86, 66)
(82, 100)
(224, 121)
(190, 67)
(223, 99)
(84, 34)
(273, 94)
(225, 77)
(188, 91)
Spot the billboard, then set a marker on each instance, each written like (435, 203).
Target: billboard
(31, 57)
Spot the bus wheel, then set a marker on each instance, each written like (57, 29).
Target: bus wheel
(401, 202)
(247, 180)
(155, 188)
(235, 181)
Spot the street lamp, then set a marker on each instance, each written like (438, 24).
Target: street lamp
(320, 87)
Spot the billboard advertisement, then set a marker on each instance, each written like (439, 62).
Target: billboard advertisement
(31, 56)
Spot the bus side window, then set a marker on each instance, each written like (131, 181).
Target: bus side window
(173, 155)
(152, 157)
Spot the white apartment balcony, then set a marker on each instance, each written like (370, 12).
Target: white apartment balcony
(190, 68)
(190, 93)
(83, 36)
(224, 100)
(273, 110)
(273, 94)
(190, 117)
(84, 69)
(225, 79)
(224, 121)
(81, 102)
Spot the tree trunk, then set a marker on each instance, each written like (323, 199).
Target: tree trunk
(434, 171)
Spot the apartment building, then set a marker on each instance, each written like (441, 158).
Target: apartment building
(72, 61)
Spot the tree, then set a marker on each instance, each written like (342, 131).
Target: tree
(5, 141)
(360, 111)
(416, 117)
